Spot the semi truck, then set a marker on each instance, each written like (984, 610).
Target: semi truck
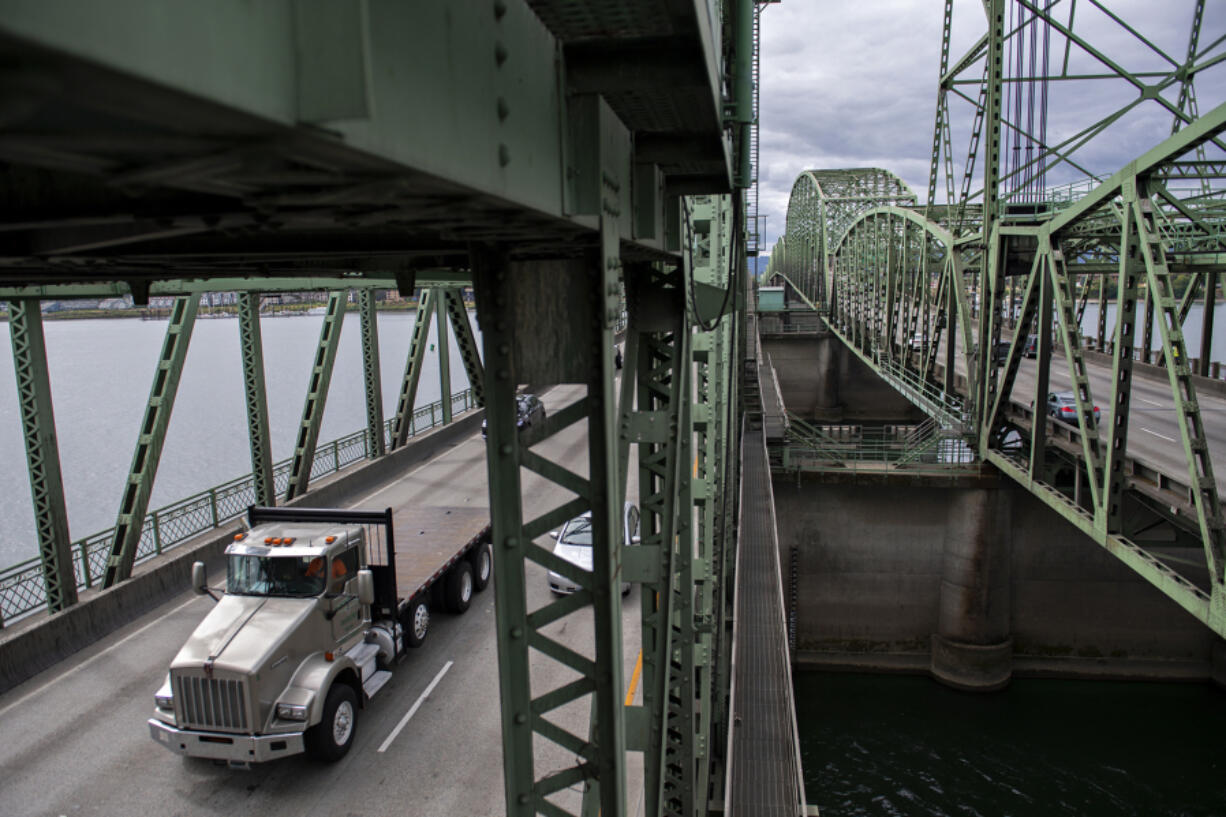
(320, 606)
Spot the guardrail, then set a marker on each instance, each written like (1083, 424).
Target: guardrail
(924, 448)
(22, 590)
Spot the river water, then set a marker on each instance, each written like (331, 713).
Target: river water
(903, 745)
(101, 371)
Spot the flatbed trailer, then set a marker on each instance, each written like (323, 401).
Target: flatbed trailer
(421, 563)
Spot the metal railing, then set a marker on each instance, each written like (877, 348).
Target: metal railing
(923, 448)
(22, 590)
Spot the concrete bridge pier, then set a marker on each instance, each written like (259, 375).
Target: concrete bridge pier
(827, 406)
(972, 648)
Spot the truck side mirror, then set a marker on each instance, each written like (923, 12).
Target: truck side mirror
(366, 587)
(200, 584)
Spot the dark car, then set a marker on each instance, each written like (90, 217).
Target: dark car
(1031, 348)
(529, 411)
(1063, 406)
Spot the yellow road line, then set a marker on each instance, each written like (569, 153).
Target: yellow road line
(634, 679)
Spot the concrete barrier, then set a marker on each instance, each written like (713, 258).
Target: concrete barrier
(38, 642)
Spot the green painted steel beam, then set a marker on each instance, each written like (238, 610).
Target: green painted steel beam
(42, 453)
(371, 379)
(130, 523)
(403, 419)
(467, 344)
(316, 396)
(256, 281)
(444, 352)
(255, 392)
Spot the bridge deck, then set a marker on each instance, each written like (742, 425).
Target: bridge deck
(764, 762)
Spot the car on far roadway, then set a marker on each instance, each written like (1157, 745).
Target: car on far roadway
(1031, 349)
(1063, 406)
(575, 546)
(529, 411)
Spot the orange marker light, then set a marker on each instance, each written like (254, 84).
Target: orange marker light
(268, 540)
(238, 537)
(329, 539)
(329, 656)
(289, 540)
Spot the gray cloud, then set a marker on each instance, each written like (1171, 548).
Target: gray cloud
(854, 85)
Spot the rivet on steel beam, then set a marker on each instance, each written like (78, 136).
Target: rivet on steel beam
(510, 541)
(504, 155)
(500, 53)
(504, 349)
(504, 110)
(506, 449)
(500, 9)
(517, 632)
(503, 374)
(523, 799)
(520, 717)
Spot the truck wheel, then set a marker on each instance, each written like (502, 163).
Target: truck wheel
(331, 738)
(460, 586)
(483, 567)
(416, 622)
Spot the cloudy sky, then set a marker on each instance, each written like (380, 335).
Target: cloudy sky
(853, 84)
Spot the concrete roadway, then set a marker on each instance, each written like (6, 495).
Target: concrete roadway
(75, 741)
(1153, 434)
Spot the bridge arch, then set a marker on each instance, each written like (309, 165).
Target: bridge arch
(823, 204)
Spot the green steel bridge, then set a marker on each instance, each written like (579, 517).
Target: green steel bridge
(588, 169)
(922, 291)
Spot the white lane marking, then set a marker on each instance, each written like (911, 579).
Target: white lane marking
(1163, 436)
(1147, 400)
(93, 658)
(413, 710)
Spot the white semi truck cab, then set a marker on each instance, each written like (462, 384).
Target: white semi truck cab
(310, 627)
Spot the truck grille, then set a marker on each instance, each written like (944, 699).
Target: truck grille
(211, 703)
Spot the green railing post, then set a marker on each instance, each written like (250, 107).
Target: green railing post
(85, 574)
(157, 535)
(213, 504)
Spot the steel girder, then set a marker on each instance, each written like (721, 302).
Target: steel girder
(467, 344)
(506, 296)
(130, 523)
(42, 453)
(370, 376)
(316, 396)
(256, 397)
(403, 419)
(680, 602)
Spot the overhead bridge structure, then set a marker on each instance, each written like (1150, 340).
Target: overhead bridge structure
(582, 166)
(1094, 279)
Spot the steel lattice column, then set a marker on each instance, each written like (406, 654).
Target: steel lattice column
(254, 388)
(402, 423)
(444, 356)
(511, 300)
(316, 396)
(139, 485)
(370, 374)
(467, 344)
(42, 453)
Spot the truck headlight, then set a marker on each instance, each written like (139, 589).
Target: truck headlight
(292, 712)
(164, 698)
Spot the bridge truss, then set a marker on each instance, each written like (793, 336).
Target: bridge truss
(542, 151)
(947, 296)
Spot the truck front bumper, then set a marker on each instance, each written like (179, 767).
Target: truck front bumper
(225, 746)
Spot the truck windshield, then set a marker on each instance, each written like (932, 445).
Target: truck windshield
(294, 576)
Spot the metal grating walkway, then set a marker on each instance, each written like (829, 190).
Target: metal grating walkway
(764, 778)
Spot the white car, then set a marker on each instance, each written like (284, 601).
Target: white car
(575, 546)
